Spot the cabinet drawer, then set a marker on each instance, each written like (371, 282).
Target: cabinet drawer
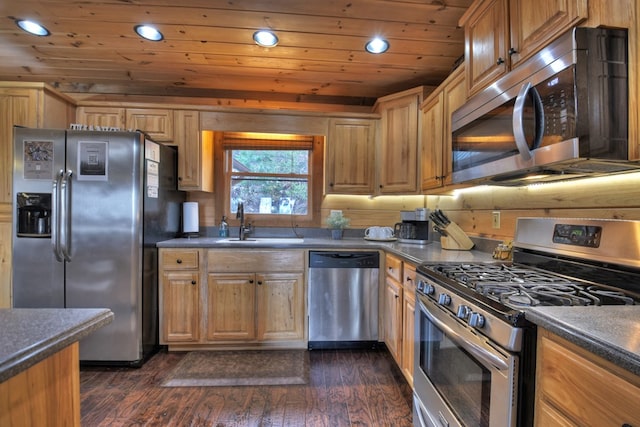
(254, 260)
(409, 279)
(393, 267)
(179, 259)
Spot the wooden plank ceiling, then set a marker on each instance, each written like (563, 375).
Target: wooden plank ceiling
(208, 49)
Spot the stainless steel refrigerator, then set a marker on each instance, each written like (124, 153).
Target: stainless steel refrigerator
(89, 208)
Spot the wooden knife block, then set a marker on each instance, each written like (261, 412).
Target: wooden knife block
(456, 239)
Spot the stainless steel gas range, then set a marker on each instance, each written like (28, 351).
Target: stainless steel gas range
(475, 350)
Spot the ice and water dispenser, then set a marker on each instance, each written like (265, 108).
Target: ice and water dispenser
(34, 214)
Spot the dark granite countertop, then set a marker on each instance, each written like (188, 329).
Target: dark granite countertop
(611, 332)
(29, 335)
(431, 252)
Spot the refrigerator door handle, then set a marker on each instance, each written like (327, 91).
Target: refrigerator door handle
(65, 217)
(55, 216)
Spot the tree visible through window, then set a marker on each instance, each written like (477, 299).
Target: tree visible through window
(270, 181)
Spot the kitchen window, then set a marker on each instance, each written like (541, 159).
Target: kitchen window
(272, 174)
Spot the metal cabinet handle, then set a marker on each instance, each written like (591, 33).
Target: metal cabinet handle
(251, 281)
(179, 261)
(500, 61)
(259, 282)
(193, 282)
(512, 51)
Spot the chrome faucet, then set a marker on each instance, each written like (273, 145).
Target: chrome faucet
(244, 229)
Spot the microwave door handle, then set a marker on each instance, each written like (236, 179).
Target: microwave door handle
(55, 217)
(517, 123)
(471, 347)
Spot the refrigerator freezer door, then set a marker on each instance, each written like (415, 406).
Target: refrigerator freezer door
(105, 267)
(38, 279)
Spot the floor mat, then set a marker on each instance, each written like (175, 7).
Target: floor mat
(240, 368)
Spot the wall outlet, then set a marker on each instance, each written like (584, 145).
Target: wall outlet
(495, 219)
(336, 212)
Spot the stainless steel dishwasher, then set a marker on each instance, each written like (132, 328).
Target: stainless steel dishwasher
(343, 299)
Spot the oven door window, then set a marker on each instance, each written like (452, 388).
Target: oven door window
(464, 383)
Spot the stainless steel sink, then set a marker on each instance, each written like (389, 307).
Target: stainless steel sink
(265, 240)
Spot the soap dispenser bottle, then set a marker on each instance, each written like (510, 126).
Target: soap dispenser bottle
(223, 230)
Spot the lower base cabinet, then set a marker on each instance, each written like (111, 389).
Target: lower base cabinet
(577, 388)
(260, 307)
(399, 311)
(179, 296)
(232, 298)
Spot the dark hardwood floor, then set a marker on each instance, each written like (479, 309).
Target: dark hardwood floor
(346, 388)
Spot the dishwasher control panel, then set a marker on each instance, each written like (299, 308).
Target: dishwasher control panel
(343, 259)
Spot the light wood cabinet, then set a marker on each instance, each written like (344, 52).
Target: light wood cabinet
(102, 117)
(577, 388)
(280, 302)
(24, 104)
(195, 152)
(393, 318)
(399, 311)
(435, 157)
(231, 307)
(350, 156)
(399, 135)
(256, 297)
(155, 122)
(408, 320)
(499, 34)
(260, 307)
(180, 312)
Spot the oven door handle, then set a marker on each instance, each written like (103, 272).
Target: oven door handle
(473, 348)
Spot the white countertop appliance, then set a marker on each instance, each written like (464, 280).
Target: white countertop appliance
(474, 349)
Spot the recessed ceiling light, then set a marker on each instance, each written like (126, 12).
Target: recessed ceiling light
(265, 38)
(148, 32)
(377, 45)
(32, 27)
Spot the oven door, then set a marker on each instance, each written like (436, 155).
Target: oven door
(460, 379)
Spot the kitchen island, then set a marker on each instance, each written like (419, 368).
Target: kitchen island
(588, 365)
(39, 364)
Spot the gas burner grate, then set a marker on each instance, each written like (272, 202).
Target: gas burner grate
(522, 286)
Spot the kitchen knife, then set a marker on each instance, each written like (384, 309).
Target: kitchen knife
(436, 220)
(439, 230)
(443, 217)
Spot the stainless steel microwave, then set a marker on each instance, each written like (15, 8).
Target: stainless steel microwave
(561, 114)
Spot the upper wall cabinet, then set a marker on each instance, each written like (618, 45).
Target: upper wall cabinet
(195, 152)
(501, 33)
(399, 135)
(350, 156)
(30, 105)
(435, 156)
(155, 122)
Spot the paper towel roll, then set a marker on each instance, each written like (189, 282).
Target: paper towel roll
(190, 217)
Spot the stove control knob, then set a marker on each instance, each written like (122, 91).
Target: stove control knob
(463, 311)
(476, 320)
(444, 299)
(427, 288)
